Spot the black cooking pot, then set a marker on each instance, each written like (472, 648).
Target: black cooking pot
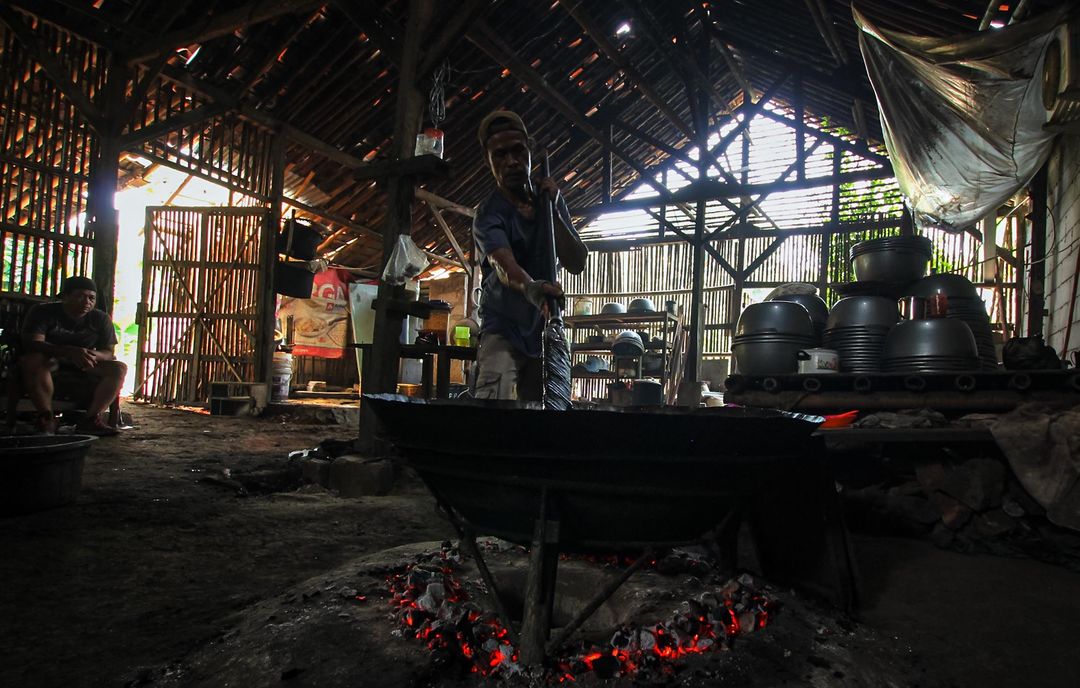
(293, 279)
(305, 239)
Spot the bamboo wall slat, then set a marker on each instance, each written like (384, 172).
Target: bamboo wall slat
(44, 166)
(201, 309)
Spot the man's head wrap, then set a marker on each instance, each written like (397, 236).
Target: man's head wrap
(500, 120)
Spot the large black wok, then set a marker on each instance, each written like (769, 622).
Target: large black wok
(614, 478)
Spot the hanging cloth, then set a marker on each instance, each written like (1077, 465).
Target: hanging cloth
(962, 116)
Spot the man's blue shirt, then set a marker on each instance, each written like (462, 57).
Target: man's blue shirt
(503, 311)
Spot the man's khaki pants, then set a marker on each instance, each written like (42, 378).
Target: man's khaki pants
(505, 373)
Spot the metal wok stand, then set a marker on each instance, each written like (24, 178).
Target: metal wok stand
(532, 638)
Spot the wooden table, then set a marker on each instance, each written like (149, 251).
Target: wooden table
(435, 364)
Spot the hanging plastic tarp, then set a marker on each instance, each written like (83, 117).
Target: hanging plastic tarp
(962, 116)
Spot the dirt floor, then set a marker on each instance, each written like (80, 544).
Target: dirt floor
(192, 528)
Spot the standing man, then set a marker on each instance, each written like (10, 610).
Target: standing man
(71, 334)
(517, 275)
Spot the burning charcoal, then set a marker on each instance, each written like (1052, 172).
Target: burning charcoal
(747, 622)
(605, 667)
(646, 641)
(419, 577)
(622, 639)
(747, 580)
(671, 564)
(432, 598)
(729, 589)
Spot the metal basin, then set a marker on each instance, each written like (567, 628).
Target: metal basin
(947, 337)
(891, 259)
(621, 478)
(40, 471)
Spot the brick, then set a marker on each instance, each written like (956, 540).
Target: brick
(316, 471)
(356, 476)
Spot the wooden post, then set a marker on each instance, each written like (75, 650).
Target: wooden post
(608, 130)
(386, 344)
(1036, 305)
(697, 310)
(101, 214)
(264, 355)
(540, 582)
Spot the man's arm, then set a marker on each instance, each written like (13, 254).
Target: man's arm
(76, 355)
(514, 276)
(569, 247)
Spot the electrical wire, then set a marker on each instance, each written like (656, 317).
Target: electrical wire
(437, 97)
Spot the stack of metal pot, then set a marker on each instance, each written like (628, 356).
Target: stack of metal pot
(769, 337)
(815, 306)
(963, 303)
(897, 259)
(856, 330)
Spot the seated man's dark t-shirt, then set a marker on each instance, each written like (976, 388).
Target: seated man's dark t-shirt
(92, 331)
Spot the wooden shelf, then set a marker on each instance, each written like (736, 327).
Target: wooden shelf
(618, 320)
(611, 376)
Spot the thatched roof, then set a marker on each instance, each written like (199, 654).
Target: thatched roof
(329, 71)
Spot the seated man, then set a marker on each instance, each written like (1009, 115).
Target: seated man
(71, 334)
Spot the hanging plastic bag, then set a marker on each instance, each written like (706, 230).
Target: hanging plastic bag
(962, 116)
(406, 262)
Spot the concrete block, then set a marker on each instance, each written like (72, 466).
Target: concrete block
(316, 471)
(356, 476)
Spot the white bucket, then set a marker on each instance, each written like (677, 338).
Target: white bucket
(280, 376)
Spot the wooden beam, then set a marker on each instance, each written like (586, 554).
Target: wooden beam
(461, 15)
(252, 114)
(53, 68)
(747, 207)
(485, 38)
(332, 217)
(101, 213)
(444, 204)
(573, 7)
(1036, 304)
(400, 194)
(370, 19)
(441, 221)
(732, 65)
(863, 150)
(712, 190)
(140, 87)
(988, 15)
(848, 80)
(614, 245)
(221, 24)
(654, 142)
(748, 111)
(134, 139)
(682, 64)
(264, 347)
(823, 21)
(760, 259)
